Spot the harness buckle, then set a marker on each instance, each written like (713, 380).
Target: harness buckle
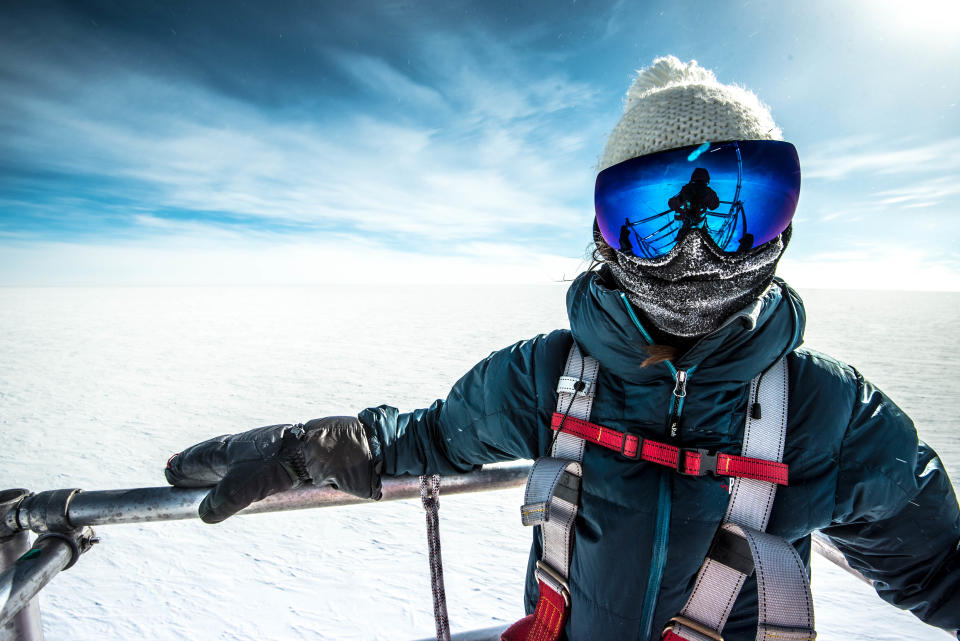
(708, 461)
(696, 626)
(623, 446)
(555, 578)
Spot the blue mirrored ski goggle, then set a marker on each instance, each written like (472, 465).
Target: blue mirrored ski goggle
(742, 194)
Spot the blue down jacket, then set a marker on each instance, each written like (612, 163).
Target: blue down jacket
(857, 471)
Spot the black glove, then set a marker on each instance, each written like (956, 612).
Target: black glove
(253, 465)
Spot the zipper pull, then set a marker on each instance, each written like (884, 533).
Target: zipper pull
(680, 389)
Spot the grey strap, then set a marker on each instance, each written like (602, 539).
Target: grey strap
(786, 610)
(573, 402)
(550, 480)
(785, 603)
(551, 499)
(751, 501)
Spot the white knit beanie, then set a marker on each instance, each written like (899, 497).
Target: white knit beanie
(674, 104)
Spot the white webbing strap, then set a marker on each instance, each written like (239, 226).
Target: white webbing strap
(579, 372)
(551, 498)
(751, 501)
(786, 610)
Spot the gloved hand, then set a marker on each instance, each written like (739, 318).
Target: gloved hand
(247, 467)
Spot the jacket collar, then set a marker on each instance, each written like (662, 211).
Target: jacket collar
(746, 344)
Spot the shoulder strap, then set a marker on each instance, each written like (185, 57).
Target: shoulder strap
(575, 392)
(741, 546)
(552, 498)
(764, 435)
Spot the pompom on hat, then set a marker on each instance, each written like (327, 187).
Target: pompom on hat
(674, 104)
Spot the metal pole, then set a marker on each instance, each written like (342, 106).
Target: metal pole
(25, 626)
(825, 548)
(487, 634)
(138, 505)
(21, 582)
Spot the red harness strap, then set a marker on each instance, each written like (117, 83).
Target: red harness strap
(692, 462)
(546, 622)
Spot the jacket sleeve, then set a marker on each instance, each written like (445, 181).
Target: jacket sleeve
(495, 412)
(896, 517)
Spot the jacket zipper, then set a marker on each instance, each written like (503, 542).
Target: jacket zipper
(676, 403)
(664, 503)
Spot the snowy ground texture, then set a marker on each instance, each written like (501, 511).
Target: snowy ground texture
(100, 385)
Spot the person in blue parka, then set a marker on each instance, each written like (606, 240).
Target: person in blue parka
(699, 308)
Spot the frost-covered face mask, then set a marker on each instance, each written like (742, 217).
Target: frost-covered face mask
(693, 289)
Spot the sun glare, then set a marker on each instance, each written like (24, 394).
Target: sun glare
(933, 20)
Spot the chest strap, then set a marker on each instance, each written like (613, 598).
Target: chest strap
(687, 461)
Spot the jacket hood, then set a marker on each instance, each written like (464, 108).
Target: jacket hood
(608, 328)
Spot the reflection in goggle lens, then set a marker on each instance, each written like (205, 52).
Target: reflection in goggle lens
(742, 194)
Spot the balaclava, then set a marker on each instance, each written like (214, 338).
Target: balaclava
(692, 290)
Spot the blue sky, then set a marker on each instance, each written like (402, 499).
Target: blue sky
(300, 142)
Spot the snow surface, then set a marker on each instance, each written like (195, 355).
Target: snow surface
(100, 385)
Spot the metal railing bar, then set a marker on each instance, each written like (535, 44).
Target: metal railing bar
(138, 505)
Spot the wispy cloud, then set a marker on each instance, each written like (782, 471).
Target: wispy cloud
(868, 155)
(869, 189)
(466, 161)
(382, 79)
(924, 193)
